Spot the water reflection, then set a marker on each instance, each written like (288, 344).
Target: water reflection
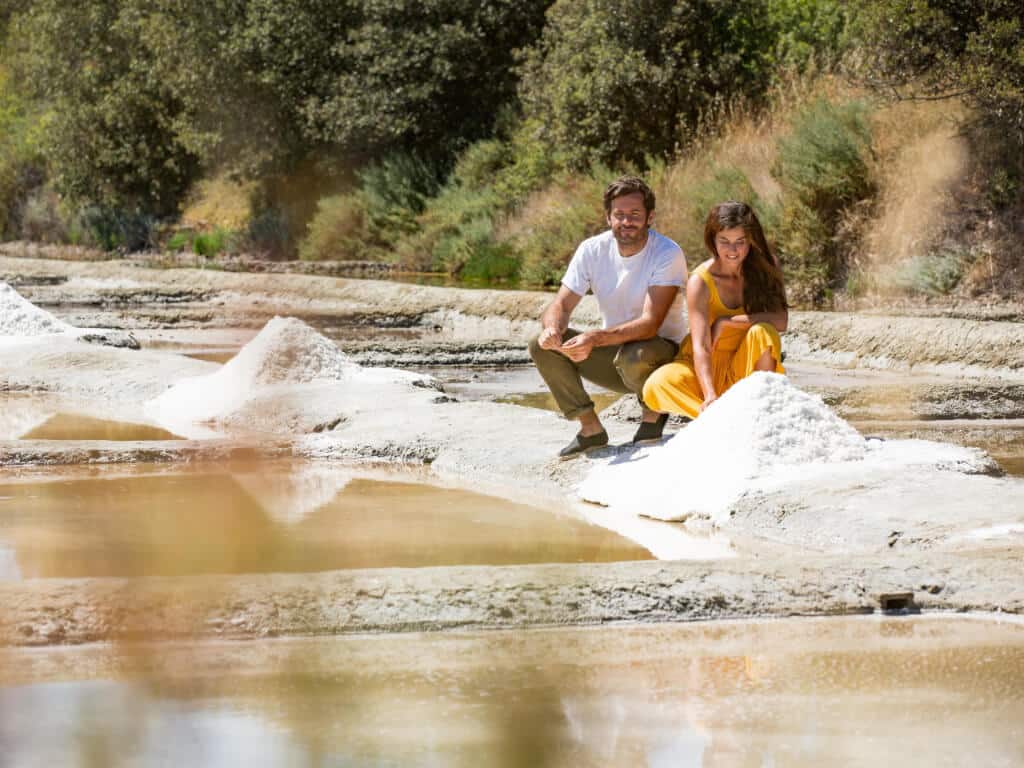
(276, 517)
(546, 401)
(796, 693)
(68, 426)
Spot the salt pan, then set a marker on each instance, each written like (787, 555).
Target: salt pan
(762, 424)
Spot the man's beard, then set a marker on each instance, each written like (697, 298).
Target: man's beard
(630, 237)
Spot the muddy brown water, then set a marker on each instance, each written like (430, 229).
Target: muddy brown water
(70, 426)
(268, 518)
(926, 691)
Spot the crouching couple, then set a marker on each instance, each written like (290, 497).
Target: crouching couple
(736, 307)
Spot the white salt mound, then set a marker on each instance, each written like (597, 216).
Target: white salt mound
(285, 352)
(20, 317)
(761, 424)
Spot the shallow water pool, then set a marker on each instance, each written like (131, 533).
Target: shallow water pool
(833, 692)
(274, 517)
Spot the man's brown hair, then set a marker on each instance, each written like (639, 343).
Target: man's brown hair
(628, 185)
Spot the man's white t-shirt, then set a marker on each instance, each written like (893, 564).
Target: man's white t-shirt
(620, 283)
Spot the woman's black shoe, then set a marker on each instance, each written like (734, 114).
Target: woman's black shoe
(650, 431)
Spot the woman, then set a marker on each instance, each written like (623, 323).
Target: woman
(737, 307)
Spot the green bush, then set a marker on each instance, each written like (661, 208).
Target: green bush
(268, 234)
(933, 274)
(571, 211)
(452, 229)
(809, 33)
(212, 244)
(822, 168)
(337, 231)
(180, 240)
(113, 229)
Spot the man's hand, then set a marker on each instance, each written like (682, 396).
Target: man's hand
(550, 339)
(578, 348)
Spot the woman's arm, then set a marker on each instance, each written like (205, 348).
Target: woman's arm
(778, 319)
(697, 296)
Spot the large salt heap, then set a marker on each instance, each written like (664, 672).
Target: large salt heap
(760, 426)
(289, 379)
(20, 317)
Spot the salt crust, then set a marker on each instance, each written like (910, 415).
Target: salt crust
(20, 317)
(763, 432)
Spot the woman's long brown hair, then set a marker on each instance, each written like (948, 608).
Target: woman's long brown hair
(763, 288)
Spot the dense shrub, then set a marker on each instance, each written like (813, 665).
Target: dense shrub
(822, 167)
(931, 274)
(337, 231)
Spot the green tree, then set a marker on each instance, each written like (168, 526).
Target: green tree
(113, 140)
(940, 48)
(616, 83)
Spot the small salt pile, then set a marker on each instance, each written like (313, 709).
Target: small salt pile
(285, 352)
(761, 425)
(20, 317)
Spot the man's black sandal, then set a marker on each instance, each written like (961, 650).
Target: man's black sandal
(582, 444)
(650, 431)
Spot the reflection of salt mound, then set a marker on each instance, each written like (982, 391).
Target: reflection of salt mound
(289, 497)
(20, 317)
(289, 379)
(761, 424)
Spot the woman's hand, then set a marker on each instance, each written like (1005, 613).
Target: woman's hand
(708, 400)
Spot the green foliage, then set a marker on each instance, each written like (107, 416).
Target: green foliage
(337, 231)
(418, 73)
(822, 168)
(1004, 187)
(616, 87)
(934, 274)
(935, 48)
(569, 211)
(808, 32)
(113, 229)
(22, 164)
(452, 229)
(268, 234)
(211, 244)
(180, 240)
(114, 142)
(148, 91)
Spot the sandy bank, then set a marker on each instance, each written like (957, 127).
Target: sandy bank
(69, 612)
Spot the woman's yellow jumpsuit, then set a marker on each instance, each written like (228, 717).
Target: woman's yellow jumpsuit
(674, 387)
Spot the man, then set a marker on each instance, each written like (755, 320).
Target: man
(636, 274)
